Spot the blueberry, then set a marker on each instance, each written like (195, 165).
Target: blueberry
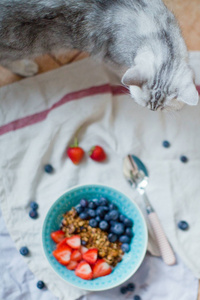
(79, 209)
(106, 209)
(118, 228)
(130, 287)
(121, 217)
(103, 201)
(103, 225)
(112, 237)
(84, 243)
(114, 214)
(128, 222)
(129, 232)
(112, 206)
(136, 297)
(96, 201)
(34, 205)
(98, 219)
(84, 216)
(24, 251)
(84, 203)
(100, 211)
(183, 225)
(92, 205)
(93, 223)
(166, 144)
(107, 217)
(40, 284)
(112, 222)
(81, 228)
(48, 168)
(125, 239)
(33, 214)
(184, 159)
(123, 290)
(91, 212)
(125, 247)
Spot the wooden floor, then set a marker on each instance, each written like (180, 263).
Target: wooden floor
(187, 13)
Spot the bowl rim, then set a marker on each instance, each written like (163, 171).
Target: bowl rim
(145, 229)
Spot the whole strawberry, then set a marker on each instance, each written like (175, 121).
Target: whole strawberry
(75, 153)
(97, 153)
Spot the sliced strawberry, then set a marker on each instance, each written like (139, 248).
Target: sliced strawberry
(58, 236)
(83, 249)
(63, 242)
(76, 255)
(101, 268)
(62, 254)
(83, 270)
(91, 255)
(74, 242)
(72, 265)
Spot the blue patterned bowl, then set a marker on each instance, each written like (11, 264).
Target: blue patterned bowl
(130, 262)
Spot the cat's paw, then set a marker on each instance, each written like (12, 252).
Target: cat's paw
(24, 67)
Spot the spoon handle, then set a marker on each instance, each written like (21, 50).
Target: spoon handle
(163, 244)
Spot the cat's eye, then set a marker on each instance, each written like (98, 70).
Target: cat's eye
(157, 95)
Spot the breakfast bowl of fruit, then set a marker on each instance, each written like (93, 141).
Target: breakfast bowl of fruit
(94, 237)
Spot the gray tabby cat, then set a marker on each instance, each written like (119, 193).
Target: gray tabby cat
(139, 38)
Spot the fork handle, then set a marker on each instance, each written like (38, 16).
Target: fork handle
(163, 244)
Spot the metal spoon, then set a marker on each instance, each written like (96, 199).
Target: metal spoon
(137, 175)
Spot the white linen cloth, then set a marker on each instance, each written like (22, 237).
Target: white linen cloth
(36, 127)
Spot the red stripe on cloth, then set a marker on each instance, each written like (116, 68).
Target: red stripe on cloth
(38, 117)
(198, 89)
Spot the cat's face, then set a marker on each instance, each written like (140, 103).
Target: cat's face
(168, 87)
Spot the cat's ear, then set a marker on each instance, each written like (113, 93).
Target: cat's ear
(190, 95)
(134, 76)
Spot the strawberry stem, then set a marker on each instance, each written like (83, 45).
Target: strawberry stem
(75, 142)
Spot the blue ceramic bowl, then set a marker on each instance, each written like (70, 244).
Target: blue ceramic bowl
(130, 262)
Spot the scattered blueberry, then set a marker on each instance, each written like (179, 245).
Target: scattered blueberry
(136, 297)
(91, 212)
(112, 237)
(128, 222)
(125, 247)
(129, 232)
(103, 225)
(114, 214)
(125, 239)
(84, 216)
(184, 159)
(112, 206)
(118, 228)
(98, 219)
(40, 284)
(79, 209)
(96, 201)
(33, 214)
(34, 205)
(183, 225)
(48, 168)
(107, 217)
(82, 227)
(93, 223)
(112, 222)
(100, 211)
(123, 290)
(103, 201)
(84, 203)
(24, 251)
(105, 208)
(121, 217)
(130, 287)
(166, 144)
(92, 205)
(84, 243)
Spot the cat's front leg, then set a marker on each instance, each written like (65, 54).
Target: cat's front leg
(23, 67)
